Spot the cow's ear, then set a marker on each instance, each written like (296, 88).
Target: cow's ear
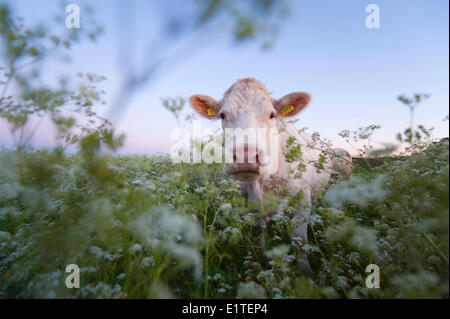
(292, 104)
(205, 105)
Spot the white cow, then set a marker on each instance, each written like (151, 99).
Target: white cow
(248, 104)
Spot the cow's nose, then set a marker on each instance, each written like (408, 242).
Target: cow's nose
(246, 154)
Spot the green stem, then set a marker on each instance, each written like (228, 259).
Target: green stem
(440, 252)
(323, 256)
(206, 252)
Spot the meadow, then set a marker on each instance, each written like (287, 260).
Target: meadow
(143, 227)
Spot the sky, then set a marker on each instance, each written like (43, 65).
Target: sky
(353, 73)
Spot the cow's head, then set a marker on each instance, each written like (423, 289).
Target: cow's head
(248, 107)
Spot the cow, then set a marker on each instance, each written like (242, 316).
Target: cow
(248, 104)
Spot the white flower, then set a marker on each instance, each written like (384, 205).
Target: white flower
(226, 207)
(147, 262)
(135, 248)
(111, 257)
(188, 256)
(316, 219)
(267, 275)
(116, 224)
(288, 259)
(278, 253)
(356, 191)
(251, 290)
(121, 276)
(4, 236)
(297, 240)
(342, 282)
(165, 226)
(97, 251)
(45, 285)
(100, 290)
(278, 293)
(361, 237)
(9, 191)
(411, 285)
(354, 257)
(231, 234)
(310, 248)
(88, 269)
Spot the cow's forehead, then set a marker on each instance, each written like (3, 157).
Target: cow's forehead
(247, 95)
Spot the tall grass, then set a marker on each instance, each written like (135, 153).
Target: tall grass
(143, 227)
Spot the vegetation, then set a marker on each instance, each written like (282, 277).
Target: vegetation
(144, 227)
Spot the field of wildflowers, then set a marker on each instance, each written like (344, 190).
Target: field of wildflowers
(143, 227)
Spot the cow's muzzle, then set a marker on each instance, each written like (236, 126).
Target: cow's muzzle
(246, 162)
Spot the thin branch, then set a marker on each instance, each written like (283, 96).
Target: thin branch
(33, 131)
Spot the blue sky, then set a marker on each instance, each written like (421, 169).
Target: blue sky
(353, 73)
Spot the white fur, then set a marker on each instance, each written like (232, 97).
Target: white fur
(248, 104)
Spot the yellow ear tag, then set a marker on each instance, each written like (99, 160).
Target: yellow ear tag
(211, 112)
(288, 109)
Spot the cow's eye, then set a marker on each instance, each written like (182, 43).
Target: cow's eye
(222, 115)
(272, 115)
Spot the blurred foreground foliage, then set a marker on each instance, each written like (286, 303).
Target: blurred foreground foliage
(144, 227)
